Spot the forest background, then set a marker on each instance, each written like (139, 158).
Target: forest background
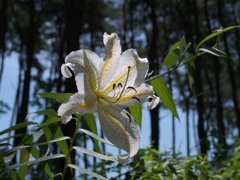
(36, 35)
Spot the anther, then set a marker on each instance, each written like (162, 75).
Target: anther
(114, 85)
(130, 87)
(136, 99)
(120, 85)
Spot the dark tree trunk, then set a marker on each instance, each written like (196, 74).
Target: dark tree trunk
(28, 62)
(153, 65)
(230, 70)
(74, 12)
(199, 86)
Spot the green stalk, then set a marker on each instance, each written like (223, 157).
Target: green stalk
(70, 148)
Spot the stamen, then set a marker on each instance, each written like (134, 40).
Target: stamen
(120, 85)
(130, 120)
(130, 87)
(136, 99)
(114, 86)
(129, 67)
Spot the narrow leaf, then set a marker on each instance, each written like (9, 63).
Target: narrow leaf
(136, 112)
(55, 132)
(37, 135)
(162, 91)
(186, 48)
(44, 165)
(57, 140)
(96, 137)
(48, 112)
(218, 53)
(9, 137)
(8, 159)
(214, 34)
(95, 154)
(54, 140)
(89, 123)
(49, 121)
(14, 175)
(18, 126)
(190, 74)
(87, 172)
(60, 97)
(24, 157)
(34, 161)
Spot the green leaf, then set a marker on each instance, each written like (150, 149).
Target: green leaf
(7, 159)
(14, 175)
(136, 112)
(89, 123)
(190, 74)
(9, 137)
(186, 48)
(174, 53)
(55, 132)
(57, 140)
(18, 126)
(49, 121)
(189, 58)
(95, 154)
(162, 91)
(24, 157)
(58, 174)
(214, 34)
(87, 171)
(48, 112)
(218, 53)
(60, 97)
(45, 166)
(34, 161)
(37, 135)
(96, 137)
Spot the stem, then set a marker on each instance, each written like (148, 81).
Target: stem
(177, 66)
(70, 148)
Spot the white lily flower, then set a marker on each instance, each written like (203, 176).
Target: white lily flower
(107, 86)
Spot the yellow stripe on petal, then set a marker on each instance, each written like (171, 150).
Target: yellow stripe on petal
(120, 128)
(111, 60)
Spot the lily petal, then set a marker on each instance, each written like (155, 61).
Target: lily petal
(120, 129)
(111, 60)
(137, 73)
(138, 95)
(86, 66)
(77, 103)
(65, 71)
(153, 103)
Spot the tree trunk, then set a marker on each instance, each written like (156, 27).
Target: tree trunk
(199, 87)
(28, 62)
(74, 11)
(153, 65)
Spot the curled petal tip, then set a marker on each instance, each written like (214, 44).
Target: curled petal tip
(65, 71)
(66, 119)
(154, 102)
(123, 160)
